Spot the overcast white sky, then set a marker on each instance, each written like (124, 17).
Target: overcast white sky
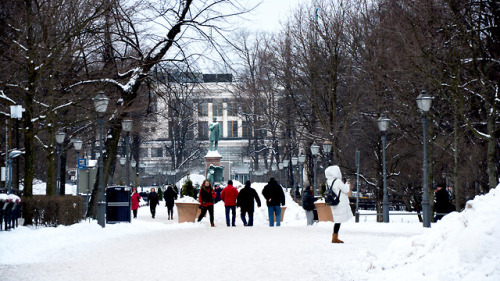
(269, 13)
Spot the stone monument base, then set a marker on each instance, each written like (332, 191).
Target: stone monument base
(212, 158)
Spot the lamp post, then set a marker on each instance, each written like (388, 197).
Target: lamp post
(122, 164)
(383, 124)
(314, 152)
(59, 139)
(101, 104)
(357, 184)
(280, 167)
(16, 112)
(274, 168)
(327, 148)
(302, 160)
(12, 154)
(295, 161)
(127, 127)
(133, 164)
(286, 163)
(424, 101)
(77, 143)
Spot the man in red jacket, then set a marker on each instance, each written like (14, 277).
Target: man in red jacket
(229, 195)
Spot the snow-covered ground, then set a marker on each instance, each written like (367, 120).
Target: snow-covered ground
(462, 246)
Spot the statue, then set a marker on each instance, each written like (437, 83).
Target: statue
(210, 174)
(215, 133)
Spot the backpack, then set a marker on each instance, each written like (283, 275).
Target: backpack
(331, 198)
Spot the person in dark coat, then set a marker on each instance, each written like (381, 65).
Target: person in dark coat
(135, 198)
(170, 196)
(206, 199)
(308, 204)
(218, 191)
(443, 204)
(245, 201)
(153, 201)
(275, 197)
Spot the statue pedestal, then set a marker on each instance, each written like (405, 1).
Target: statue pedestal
(212, 158)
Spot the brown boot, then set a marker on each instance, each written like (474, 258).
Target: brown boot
(212, 224)
(335, 238)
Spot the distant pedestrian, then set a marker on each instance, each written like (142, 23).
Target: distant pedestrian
(341, 212)
(308, 204)
(153, 201)
(206, 199)
(229, 195)
(275, 197)
(135, 202)
(218, 191)
(443, 203)
(170, 196)
(246, 198)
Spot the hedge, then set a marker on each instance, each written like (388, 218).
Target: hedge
(53, 210)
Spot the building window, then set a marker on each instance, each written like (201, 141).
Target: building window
(144, 153)
(217, 107)
(232, 129)
(157, 152)
(245, 130)
(203, 109)
(232, 109)
(203, 130)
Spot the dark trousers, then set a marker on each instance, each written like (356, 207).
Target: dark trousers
(250, 218)
(170, 210)
(210, 210)
(153, 210)
(135, 213)
(233, 211)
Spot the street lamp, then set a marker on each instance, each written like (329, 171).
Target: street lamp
(12, 154)
(286, 163)
(327, 148)
(59, 139)
(383, 124)
(133, 164)
(302, 160)
(101, 104)
(127, 127)
(314, 152)
(295, 161)
(122, 164)
(280, 167)
(77, 143)
(424, 101)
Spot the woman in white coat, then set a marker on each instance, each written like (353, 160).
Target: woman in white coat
(341, 212)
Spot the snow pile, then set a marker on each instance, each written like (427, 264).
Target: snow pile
(9, 198)
(462, 246)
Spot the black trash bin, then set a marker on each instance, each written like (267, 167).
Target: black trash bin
(118, 204)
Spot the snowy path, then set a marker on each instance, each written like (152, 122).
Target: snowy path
(162, 249)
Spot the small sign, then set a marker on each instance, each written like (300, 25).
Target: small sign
(82, 163)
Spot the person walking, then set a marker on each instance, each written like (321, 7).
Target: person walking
(341, 212)
(153, 201)
(274, 195)
(229, 195)
(245, 201)
(443, 203)
(206, 199)
(135, 202)
(308, 204)
(218, 191)
(170, 196)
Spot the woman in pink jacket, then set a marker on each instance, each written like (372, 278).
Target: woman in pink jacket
(135, 202)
